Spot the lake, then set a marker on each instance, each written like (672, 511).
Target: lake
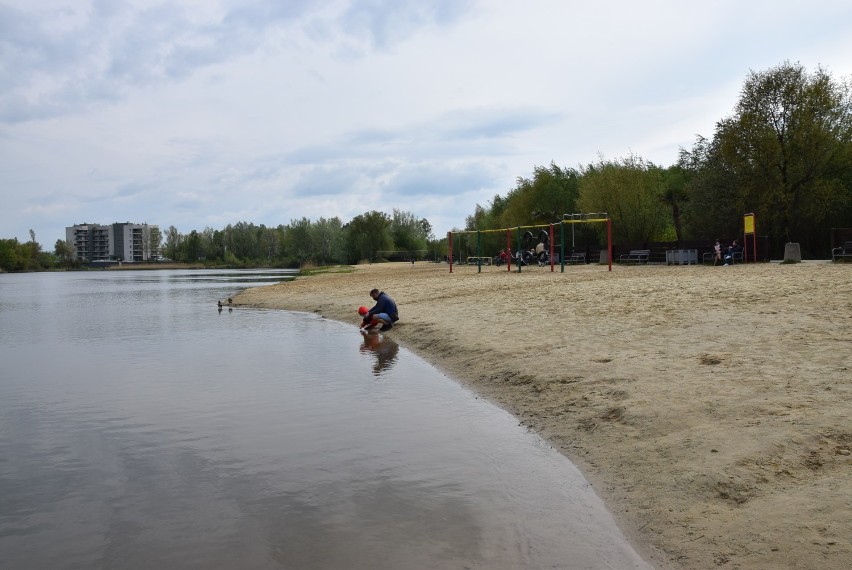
(143, 427)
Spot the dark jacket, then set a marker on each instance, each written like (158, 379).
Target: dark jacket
(385, 304)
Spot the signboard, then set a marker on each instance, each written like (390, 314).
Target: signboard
(748, 224)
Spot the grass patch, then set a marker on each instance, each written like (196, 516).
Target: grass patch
(309, 269)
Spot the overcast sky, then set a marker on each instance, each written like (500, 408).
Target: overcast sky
(209, 112)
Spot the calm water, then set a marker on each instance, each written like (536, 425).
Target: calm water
(140, 427)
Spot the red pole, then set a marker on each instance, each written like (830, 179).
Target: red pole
(609, 241)
(450, 241)
(551, 248)
(754, 238)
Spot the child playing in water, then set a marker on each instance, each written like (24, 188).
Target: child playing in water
(369, 321)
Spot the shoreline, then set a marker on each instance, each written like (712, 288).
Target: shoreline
(707, 406)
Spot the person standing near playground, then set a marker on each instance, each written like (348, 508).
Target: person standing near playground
(717, 252)
(384, 304)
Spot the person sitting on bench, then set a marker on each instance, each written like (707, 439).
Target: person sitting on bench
(733, 249)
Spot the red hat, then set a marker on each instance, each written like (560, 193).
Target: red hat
(363, 311)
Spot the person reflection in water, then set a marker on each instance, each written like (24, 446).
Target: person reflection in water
(383, 348)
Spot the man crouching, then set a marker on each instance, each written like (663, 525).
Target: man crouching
(384, 306)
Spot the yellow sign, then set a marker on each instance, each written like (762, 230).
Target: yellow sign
(748, 223)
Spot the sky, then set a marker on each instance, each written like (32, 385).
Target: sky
(204, 113)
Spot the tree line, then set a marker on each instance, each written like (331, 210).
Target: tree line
(29, 256)
(368, 236)
(784, 154)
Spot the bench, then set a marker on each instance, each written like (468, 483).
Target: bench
(681, 256)
(636, 255)
(576, 257)
(475, 260)
(736, 256)
(843, 252)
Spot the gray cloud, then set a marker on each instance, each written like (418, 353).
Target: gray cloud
(213, 111)
(48, 72)
(385, 22)
(442, 179)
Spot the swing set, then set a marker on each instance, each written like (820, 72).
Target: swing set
(546, 230)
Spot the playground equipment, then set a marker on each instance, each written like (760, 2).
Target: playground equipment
(539, 252)
(543, 251)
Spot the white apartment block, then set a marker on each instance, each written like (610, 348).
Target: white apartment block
(115, 242)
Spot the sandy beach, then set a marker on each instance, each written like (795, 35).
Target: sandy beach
(710, 407)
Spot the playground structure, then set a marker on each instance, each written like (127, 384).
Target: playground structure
(544, 252)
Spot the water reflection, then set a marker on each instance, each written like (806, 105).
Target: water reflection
(159, 436)
(383, 348)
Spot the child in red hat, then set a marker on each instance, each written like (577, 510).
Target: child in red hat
(370, 321)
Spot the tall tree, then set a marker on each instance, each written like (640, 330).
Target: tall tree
(369, 233)
(35, 249)
(64, 253)
(11, 255)
(243, 241)
(788, 143)
(329, 237)
(630, 191)
(551, 192)
(714, 208)
(299, 242)
(155, 241)
(675, 195)
(191, 247)
(173, 243)
(407, 232)
(213, 244)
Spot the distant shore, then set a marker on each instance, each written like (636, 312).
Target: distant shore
(708, 406)
(136, 265)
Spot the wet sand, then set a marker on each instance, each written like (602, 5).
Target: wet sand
(709, 406)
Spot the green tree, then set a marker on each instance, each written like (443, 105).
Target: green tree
(64, 253)
(155, 241)
(268, 243)
(551, 192)
(714, 208)
(478, 221)
(299, 242)
(630, 191)
(329, 240)
(407, 231)
(243, 241)
(35, 259)
(675, 195)
(191, 247)
(172, 245)
(789, 146)
(368, 234)
(10, 258)
(212, 245)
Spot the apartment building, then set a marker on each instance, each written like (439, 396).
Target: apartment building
(115, 242)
